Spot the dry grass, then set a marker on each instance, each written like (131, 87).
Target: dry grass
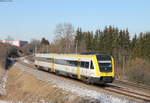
(139, 71)
(25, 87)
(2, 71)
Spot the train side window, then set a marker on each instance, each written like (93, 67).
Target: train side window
(49, 59)
(44, 59)
(59, 61)
(72, 63)
(92, 67)
(84, 64)
(62, 62)
(68, 62)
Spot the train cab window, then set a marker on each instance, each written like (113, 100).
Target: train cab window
(92, 67)
(105, 66)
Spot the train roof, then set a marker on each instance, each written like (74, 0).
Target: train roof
(97, 54)
(101, 57)
(93, 54)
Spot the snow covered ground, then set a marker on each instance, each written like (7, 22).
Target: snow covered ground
(3, 83)
(3, 102)
(103, 97)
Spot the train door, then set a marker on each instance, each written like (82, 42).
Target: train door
(53, 65)
(90, 69)
(78, 70)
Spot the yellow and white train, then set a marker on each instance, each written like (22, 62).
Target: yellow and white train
(92, 68)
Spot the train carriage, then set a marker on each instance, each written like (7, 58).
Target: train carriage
(92, 68)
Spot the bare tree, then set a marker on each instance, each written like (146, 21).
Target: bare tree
(65, 36)
(32, 47)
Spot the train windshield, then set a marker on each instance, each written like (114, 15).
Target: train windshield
(104, 62)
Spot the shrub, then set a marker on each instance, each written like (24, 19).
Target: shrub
(139, 71)
(6, 51)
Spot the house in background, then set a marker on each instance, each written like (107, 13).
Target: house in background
(18, 43)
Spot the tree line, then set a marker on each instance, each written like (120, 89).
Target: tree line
(128, 51)
(114, 41)
(110, 40)
(132, 54)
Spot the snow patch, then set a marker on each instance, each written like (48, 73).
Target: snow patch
(3, 84)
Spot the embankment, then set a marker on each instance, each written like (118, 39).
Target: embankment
(22, 86)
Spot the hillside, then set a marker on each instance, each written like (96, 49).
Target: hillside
(28, 88)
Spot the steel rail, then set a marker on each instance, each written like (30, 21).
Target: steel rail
(129, 93)
(141, 86)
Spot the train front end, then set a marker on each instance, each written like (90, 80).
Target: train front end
(105, 68)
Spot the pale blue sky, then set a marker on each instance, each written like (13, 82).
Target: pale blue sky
(27, 19)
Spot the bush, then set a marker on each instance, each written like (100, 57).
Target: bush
(6, 51)
(139, 71)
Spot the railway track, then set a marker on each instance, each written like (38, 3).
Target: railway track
(140, 86)
(119, 90)
(128, 93)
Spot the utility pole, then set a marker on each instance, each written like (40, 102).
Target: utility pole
(77, 47)
(46, 48)
(35, 48)
(123, 67)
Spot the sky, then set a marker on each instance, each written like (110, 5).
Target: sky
(34, 19)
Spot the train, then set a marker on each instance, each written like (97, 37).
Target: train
(88, 67)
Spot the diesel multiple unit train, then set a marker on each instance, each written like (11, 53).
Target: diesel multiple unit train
(91, 68)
